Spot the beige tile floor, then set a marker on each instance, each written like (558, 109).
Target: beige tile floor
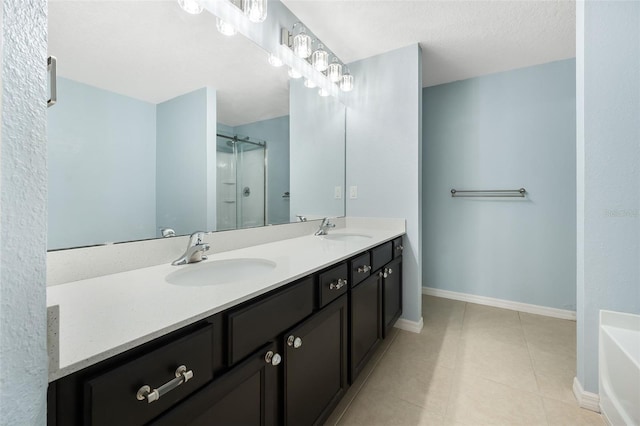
(470, 365)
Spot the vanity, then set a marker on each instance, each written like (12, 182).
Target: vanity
(281, 347)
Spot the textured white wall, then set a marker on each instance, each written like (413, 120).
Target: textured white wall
(608, 172)
(23, 356)
(384, 119)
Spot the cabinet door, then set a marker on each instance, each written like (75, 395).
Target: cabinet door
(366, 322)
(247, 395)
(316, 365)
(392, 290)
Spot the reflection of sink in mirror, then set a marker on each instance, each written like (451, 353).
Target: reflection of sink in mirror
(346, 237)
(219, 272)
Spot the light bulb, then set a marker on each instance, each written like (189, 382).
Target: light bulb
(295, 74)
(323, 92)
(335, 71)
(346, 84)
(275, 61)
(191, 6)
(255, 10)
(320, 58)
(309, 83)
(225, 28)
(302, 44)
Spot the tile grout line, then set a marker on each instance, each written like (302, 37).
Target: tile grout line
(533, 368)
(455, 365)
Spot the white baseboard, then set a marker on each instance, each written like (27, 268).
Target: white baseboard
(501, 303)
(586, 400)
(413, 326)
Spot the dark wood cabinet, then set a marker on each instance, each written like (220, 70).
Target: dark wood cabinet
(247, 395)
(365, 322)
(315, 365)
(392, 293)
(286, 357)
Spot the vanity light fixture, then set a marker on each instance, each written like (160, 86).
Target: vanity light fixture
(335, 71)
(301, 42)
(191, 6)
(295, 74)
(225, 28)
(275, 61)
(323, 92)
(346, 83)
(309, 83)
(255, 10)
(320, 58)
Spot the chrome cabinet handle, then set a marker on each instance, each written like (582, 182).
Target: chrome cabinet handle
(51, 67)
(400, 247)
(385, 273)
(182, 376)
(364, 268)
(272, 358)
(338, 285)
(390, 271)
(296, 342)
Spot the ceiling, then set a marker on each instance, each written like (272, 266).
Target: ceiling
(460, 39)
(154, 51)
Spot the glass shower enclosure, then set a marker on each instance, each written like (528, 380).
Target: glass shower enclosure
(240, 182)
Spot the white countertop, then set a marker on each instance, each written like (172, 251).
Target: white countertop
(104, 316)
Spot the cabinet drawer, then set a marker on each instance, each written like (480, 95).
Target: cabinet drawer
(360, 268)
(397, 247)
(256, 323)
(381, 255)
(332, 284)
(111, 397)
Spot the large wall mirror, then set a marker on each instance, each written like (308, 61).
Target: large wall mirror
(164, 124)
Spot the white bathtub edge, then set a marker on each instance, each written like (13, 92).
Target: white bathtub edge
(587, 400)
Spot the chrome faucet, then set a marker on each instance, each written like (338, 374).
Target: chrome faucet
(326, 224)
(195, 250)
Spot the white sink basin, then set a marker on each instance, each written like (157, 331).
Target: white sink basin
(219, 272)
(346, 237)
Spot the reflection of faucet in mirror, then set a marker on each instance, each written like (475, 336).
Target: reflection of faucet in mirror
(195, 250)
(324, 225)
(167, 232)
(301, 218)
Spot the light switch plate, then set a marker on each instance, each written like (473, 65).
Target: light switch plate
(353, 192)
(337, 192)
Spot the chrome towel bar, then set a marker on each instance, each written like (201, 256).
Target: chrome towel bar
(509, 193)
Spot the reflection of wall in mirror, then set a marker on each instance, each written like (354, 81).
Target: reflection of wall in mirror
(317, 153)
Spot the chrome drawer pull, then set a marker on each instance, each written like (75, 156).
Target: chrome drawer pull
(296, 342)
(400, 247)
(272, 358)
(364, 268)
(182, 376)
(337, 286)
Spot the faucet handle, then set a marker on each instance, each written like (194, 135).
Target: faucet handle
(196, 238)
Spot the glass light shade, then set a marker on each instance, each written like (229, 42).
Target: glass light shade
(323, 92)
(320, 59)
(346, 84)
(255, 10)
(225, 28)
(295, 74)
(309, 83)
(191, 6)
(302, 44)
(275, 61)
(335, 71)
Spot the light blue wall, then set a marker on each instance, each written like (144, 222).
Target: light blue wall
(317, 152)
(383, 153)
(276, 132)
(23, 213)
(102, 160)
(608, 72)
(502, 131)
(184, 182)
